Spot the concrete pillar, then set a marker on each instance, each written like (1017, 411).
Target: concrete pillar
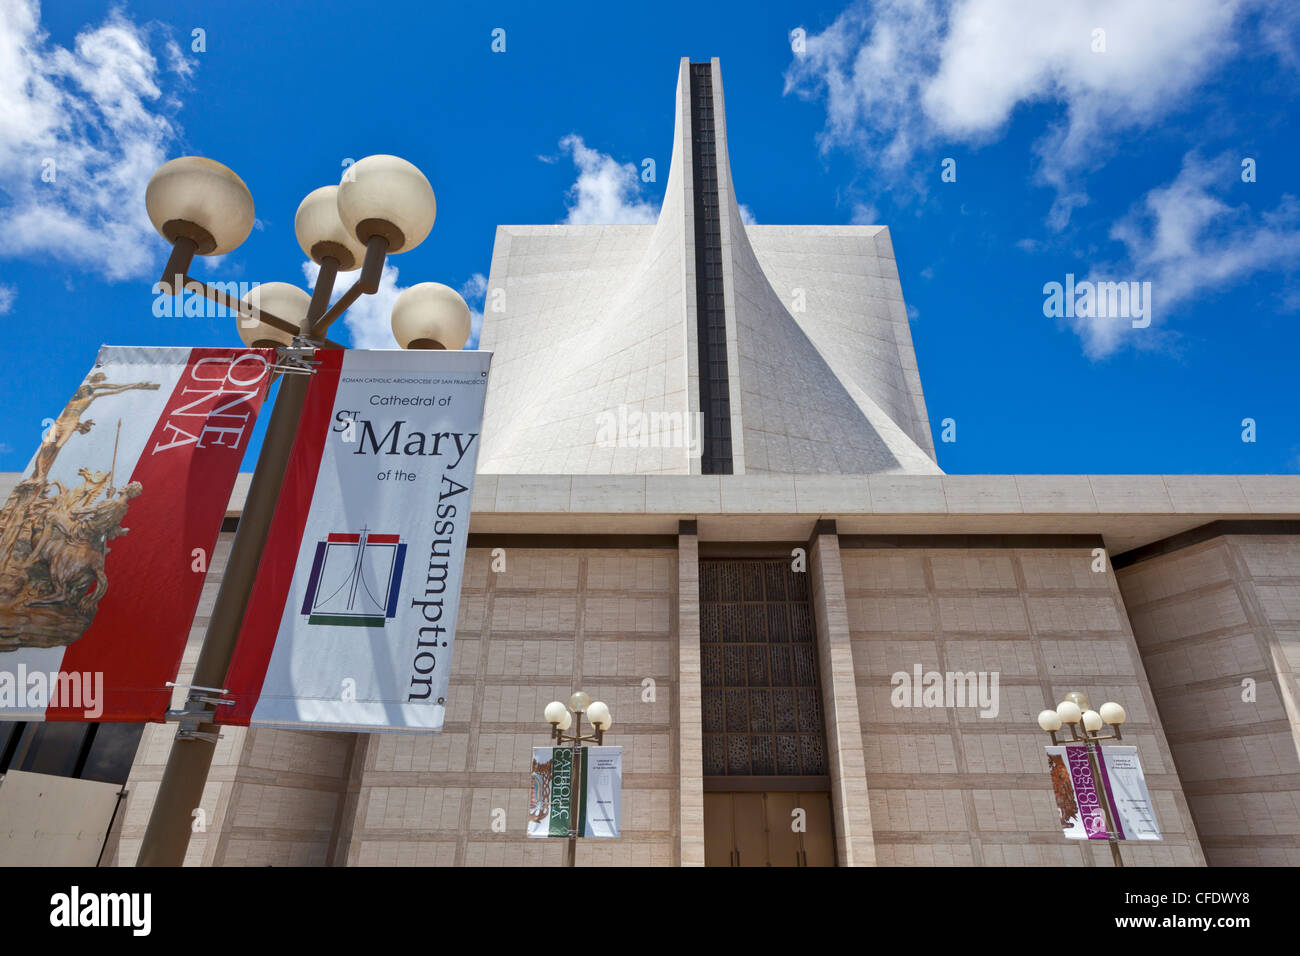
(690, 697)
(854, 843)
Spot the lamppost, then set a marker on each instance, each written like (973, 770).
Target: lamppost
(383, 205)
(1074, 711)
(557, 715)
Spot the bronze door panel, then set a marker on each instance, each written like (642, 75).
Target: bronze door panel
(719, 841)
(819, 836)
(749, 827)
(782, 839)
(755, 828)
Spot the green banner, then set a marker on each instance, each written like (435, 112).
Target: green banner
(561, 791)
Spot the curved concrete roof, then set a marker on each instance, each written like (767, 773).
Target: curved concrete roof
(596, 346)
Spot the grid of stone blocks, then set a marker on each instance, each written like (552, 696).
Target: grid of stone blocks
(941, 786)
(551, 621)
(273, 797)
(949, 787)
(1218, 625)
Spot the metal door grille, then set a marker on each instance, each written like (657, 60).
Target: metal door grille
(762, 709)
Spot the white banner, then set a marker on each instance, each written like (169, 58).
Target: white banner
(1135, 814)
(351, 625)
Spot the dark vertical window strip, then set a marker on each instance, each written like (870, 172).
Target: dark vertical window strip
(10, 748)
(711, 318)
(83, 754)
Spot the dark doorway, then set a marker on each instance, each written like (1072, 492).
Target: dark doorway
(767, 801)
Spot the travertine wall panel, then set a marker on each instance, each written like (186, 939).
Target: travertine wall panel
(1218, 626)
(943, 786)
(850, 799)
(285, 803)
(690, 697)
(950, 787)
(552, 621)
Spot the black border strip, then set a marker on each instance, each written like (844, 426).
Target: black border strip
(748, 549)
(1205, 532)
(748, 783)
(879, 541)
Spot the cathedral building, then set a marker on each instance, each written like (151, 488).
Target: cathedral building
(708, 495)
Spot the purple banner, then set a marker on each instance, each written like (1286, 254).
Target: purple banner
(1086, 795)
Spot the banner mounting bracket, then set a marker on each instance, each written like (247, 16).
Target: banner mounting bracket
(200, 708)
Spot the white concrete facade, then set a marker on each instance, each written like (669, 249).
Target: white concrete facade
(591, 324)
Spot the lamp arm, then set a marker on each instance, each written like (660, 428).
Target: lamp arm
(324, 288)
(224, 299)
(338, 308)
(178, 265)
(367, 284)
(175, 277)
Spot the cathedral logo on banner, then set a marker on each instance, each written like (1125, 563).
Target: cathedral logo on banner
(355, 580)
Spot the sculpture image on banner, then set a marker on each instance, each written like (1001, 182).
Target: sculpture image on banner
(54, 540)
(111, 526)
(352, 620)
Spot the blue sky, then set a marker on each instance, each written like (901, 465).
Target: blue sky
(1116, 163)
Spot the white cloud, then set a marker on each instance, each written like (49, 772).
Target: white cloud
(747, 216)
(865, 214)
(870, 66)
(474, 289)
(1280, 32)
(607, 192)
(7, 295)
(369, 320)
(1187, 242)
(91, 118)
(905, 74)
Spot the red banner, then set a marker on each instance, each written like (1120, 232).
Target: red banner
(105, 543)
